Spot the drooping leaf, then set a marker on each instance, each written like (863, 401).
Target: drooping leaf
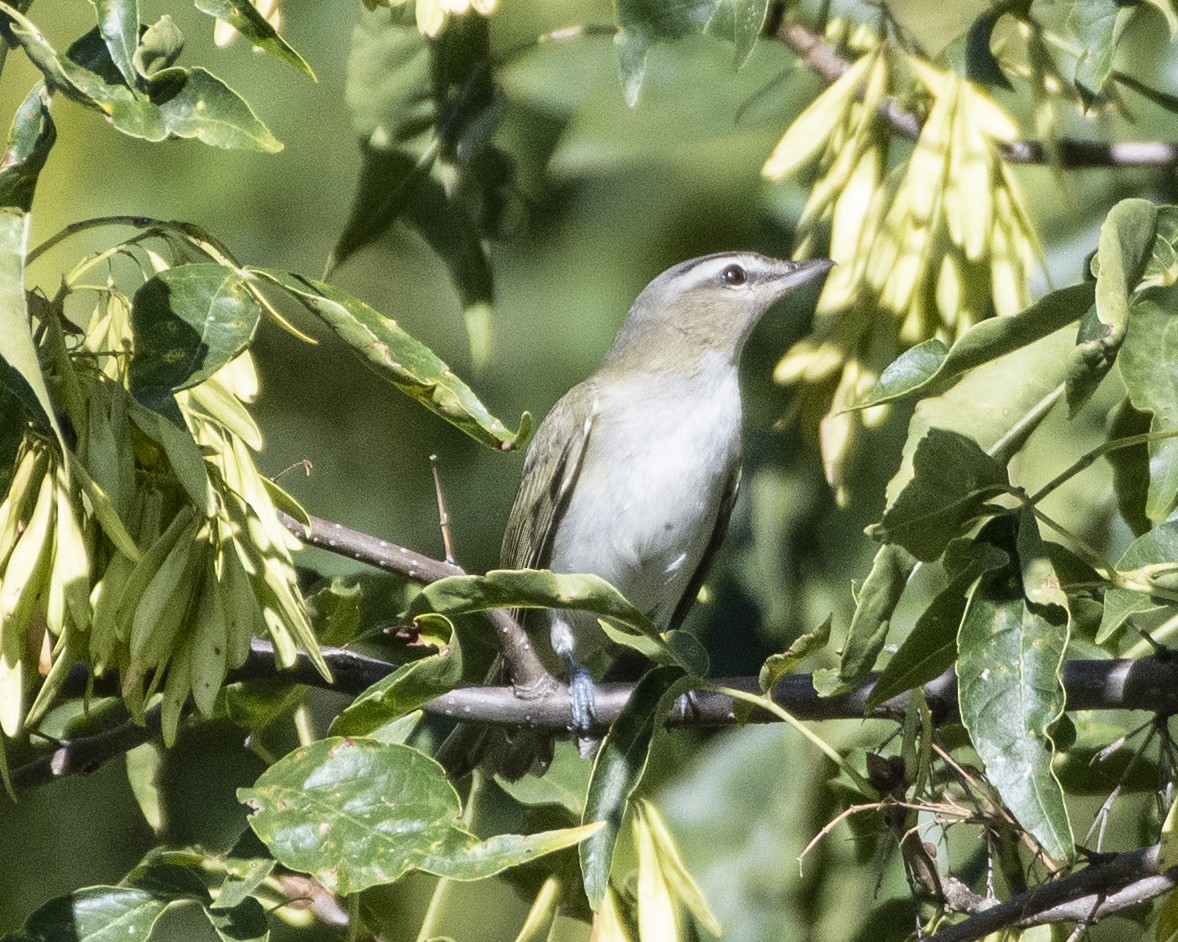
(118, 22)
(1010, 652)
(242, 877)
(159, 48)
(1130, 466)
(357, 813)
(244, 17)
(1147, 360)
(245, 922)
(777, 666)
(1123, 251)
(540, 588)
(931, 646)
(1158, 547)
(403, 691)
(95, 914)
(178, 102)
(20, 369)
(1098, 25)
(404, 361)
(930, 368)
(740, 21)
(952, 479)
(1090, 361)
(617, 770)
(644, 22)
(980, 63)
(187, 323)
(29, 140)
(875, 603)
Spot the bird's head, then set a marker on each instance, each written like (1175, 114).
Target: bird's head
(705, 305)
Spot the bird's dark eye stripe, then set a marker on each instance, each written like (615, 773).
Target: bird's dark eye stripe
(734, 275)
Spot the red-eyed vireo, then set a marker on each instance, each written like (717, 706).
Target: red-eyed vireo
(633, 473)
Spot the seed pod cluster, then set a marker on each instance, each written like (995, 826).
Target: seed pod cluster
(926, 244)
(151, 548)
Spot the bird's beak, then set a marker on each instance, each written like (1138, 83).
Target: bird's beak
(790, 275)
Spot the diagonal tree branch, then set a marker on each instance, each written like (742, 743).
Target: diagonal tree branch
(528, 672)
(1111, 884)
(824, 60)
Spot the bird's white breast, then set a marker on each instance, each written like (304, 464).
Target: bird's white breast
(644, 507)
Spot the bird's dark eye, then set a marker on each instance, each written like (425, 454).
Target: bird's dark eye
(734, 275)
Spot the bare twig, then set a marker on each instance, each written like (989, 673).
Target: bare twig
(528, 672)
(824, 60)
(1113, 884)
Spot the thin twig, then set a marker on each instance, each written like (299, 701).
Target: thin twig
(824, 60)
(528, 673)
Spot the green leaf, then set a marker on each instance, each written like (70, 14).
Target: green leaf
(159, 47)
(1089, 362)
(184, 103)
(245, 922)
(95, 914)
(617, 770)
(644, 22)
(357, 813)
(540, 588)
(877, 599)
(404, 361)
(1147, 359)
(29, 140)
(1158, 547)
(1098, 25)
(740, 21)
(1010, 652)
(1124, 250)
(20, 368)
(243, 877)
(389, 88)
(187, 323)
(244, 17)
(450, 232)
(403, 691)
(777, 666)
(118, 22)
(143, 769)
(952, 480)
(930, 368)
(183, 455)
(1130, 466)
(980, 64)
(931, 646)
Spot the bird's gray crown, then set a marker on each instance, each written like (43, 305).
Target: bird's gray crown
(704, 305)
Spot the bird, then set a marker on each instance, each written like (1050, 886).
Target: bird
(633, 474)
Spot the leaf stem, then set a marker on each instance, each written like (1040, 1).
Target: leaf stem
(1016, 436)
(766, 703)
(1084, 461)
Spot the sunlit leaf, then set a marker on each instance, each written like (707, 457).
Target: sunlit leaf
(777, 666)
(95, 914)
(1147, 359)
(357, 813)
(1098, 25)
(118, 22)
(1157, 547)
(952, 479)
(402, 360)
(403, 691)
(930, 368)
(29, 141)
(540, 588)
(244, 17)
(875, 602)
(1010, 652)
(617, 770)
(187, 322)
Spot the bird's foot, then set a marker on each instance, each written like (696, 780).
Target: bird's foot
(583, 693)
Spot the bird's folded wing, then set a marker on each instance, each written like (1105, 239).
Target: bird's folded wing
(550, 472)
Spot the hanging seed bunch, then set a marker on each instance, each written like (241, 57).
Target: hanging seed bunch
(151, 546)
(926, 244)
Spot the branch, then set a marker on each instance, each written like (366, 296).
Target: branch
(824, 60)
(1112, 884)
(528, 673)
